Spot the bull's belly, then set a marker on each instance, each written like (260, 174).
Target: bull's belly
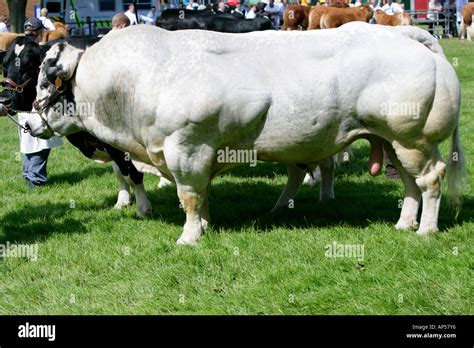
(308, 151)
(307, 137)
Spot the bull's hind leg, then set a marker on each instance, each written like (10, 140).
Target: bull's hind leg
(428, 169)
(295, 178)
(327, 167)
(411, 200)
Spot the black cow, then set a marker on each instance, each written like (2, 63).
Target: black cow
(13, 99)
(232, 25)
(190, 19)
(177, 12)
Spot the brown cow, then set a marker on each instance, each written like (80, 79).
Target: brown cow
(467, 13)
(60, 33)
(6, 39)
(339, 16)
(315, 16)
(335, 16)
(295, 17)
(392, 20)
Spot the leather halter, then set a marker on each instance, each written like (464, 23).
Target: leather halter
(15, 86)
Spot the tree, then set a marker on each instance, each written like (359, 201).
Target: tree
(17, 10)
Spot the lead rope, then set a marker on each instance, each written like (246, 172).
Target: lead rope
(25, 129)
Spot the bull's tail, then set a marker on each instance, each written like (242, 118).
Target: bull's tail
(456, 172)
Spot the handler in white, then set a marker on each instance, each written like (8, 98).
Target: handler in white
(391, 8)
(35, 150)
(47, 23)
(131, 14)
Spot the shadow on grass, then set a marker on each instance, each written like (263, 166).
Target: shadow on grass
(357, 166)
(237, 206)
(73, 177)
(33, 223)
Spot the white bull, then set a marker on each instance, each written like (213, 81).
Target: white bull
(173, 99)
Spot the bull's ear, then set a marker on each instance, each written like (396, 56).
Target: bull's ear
(67, 67)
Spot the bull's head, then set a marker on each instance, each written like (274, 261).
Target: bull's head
(20, 73)
(54, 93)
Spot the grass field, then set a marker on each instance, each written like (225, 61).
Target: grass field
(96, 260)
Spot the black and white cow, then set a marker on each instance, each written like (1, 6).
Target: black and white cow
(20, 75)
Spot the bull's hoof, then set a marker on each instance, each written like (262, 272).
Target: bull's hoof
(183, 241)
(204, 224)
(144, 209)
(123, 200)
(426, 231)
(406, 225)
(144, 213)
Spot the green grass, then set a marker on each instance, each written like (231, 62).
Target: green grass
(96, 260)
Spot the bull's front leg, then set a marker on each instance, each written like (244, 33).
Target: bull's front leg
(191, 167)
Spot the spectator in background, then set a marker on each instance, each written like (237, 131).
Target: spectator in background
(434, 8)
(284, 4)
(131, 14)
(192, 5)
(151, 16)
(47, 24)
(450, 7)
(252, 13)
(375, 6)
(36, 151)
(238, 9)
(4, 24)
(273, 9)
(221, 7)
(120, 21)
(401, 5)
(391, 8)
